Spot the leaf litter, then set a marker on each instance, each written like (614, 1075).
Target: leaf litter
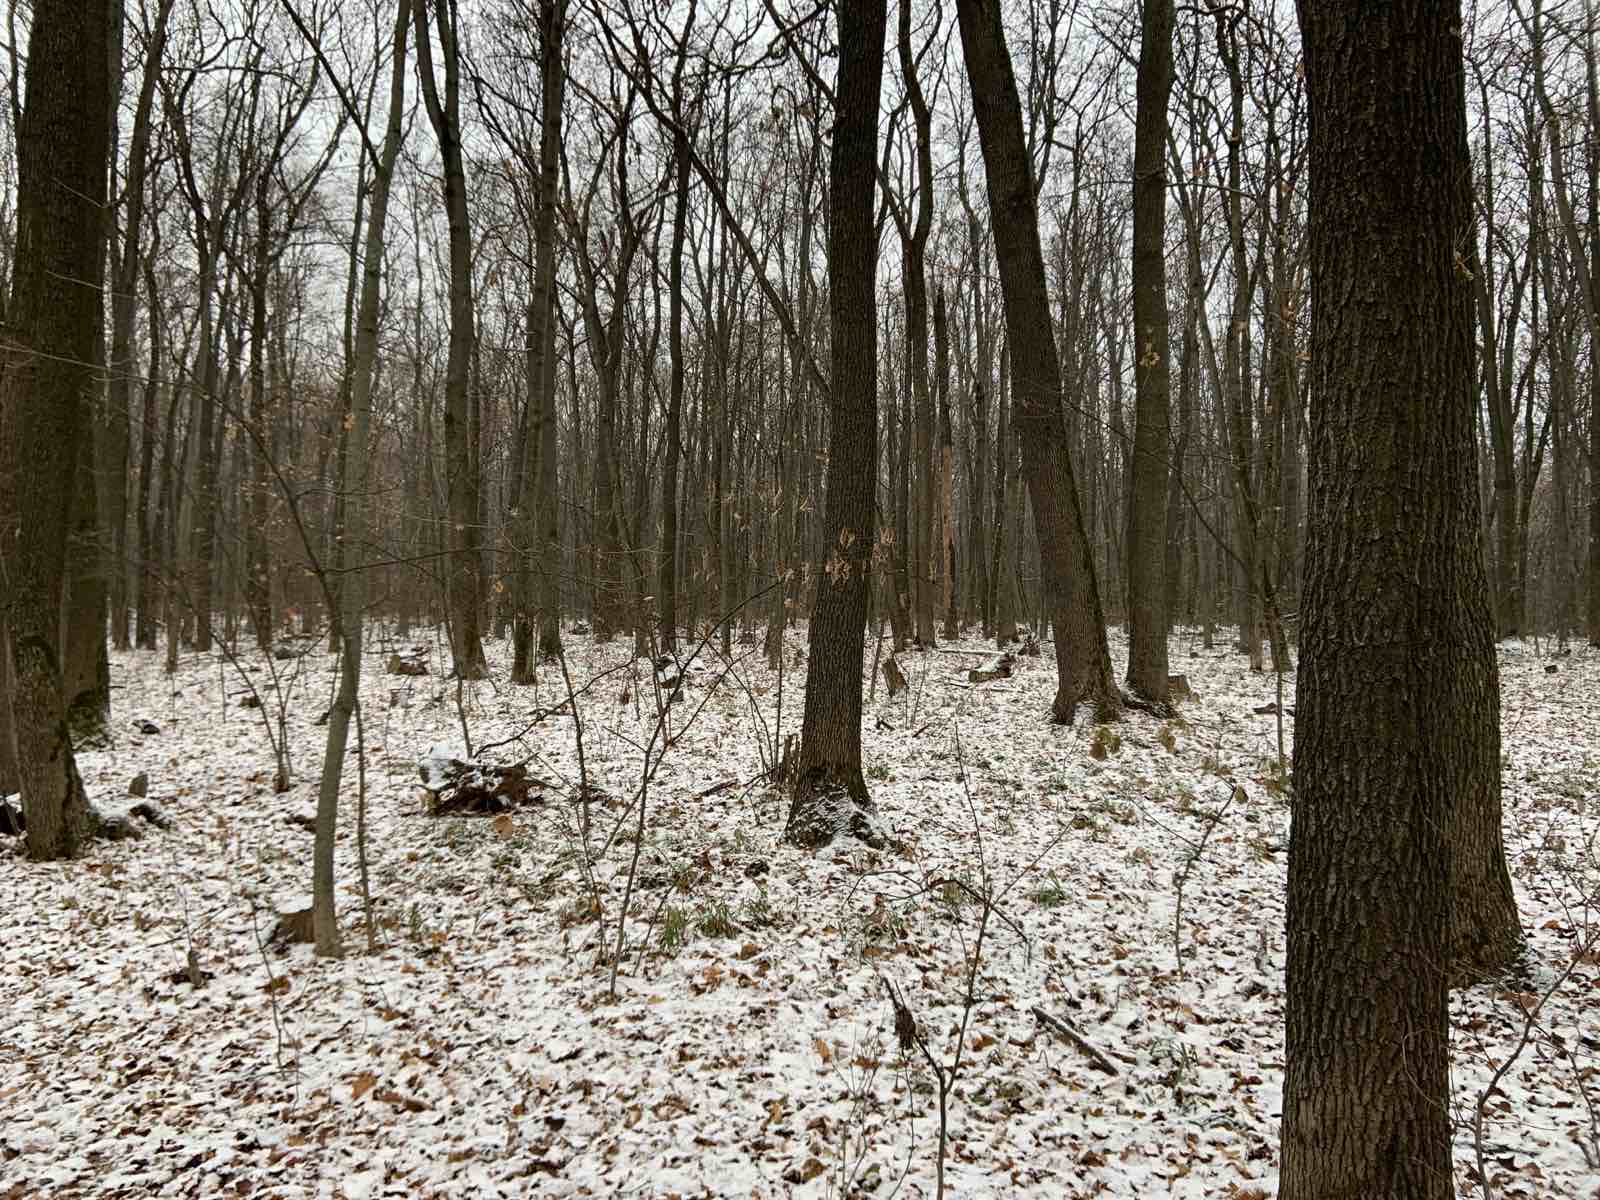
(770, 1003)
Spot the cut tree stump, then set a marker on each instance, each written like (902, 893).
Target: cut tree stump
(996, 668)
(459, 788)
(893, 676)
(294, 925)
(412, 662)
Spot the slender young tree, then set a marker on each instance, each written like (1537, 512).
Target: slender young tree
(124, 297)
(830, 794)
(47, 375)
(539, 563)
(462, 482)
(1397, 747)
(351, 597)
(1147, 511)
(668, 568)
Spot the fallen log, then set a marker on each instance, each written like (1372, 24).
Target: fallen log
(1063, 1029)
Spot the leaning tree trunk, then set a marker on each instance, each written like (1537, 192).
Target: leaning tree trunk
(46, 375)
(1397, 753)
(1064, 556)
(830, 794)
(1147, 511)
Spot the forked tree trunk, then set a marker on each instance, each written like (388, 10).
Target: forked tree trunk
(830, 793)
(352, 596)
(1394, 853)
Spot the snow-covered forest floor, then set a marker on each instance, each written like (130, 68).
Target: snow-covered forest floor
(1128, 880)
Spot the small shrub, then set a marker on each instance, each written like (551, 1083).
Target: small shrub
(715, 919)
(1106, 742)
(1050, 894)
(674, 928)
(757, 911)
(684, 876)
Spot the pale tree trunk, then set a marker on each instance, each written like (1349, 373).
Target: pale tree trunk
(46, 379)
(1397, 748)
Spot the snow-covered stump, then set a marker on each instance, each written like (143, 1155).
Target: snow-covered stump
(996, 668)
(893, 676)
(409, 662)
(461, 787)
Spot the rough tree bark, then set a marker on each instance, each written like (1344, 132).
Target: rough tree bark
(47, 351)
(830, 793)
(1397, 748)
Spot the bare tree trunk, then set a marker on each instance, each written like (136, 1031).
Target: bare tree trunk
(46, 374)
(124, 306)
(462, 483)
(85, 671)
(1036, 378)
(539, 564)
(950, 591)
(668, 585)
(352, 596)
(830, 793)
(1147, 513)
(1397, 749)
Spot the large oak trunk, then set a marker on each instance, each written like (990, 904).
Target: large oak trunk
(1397, 786)
(46, 379)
